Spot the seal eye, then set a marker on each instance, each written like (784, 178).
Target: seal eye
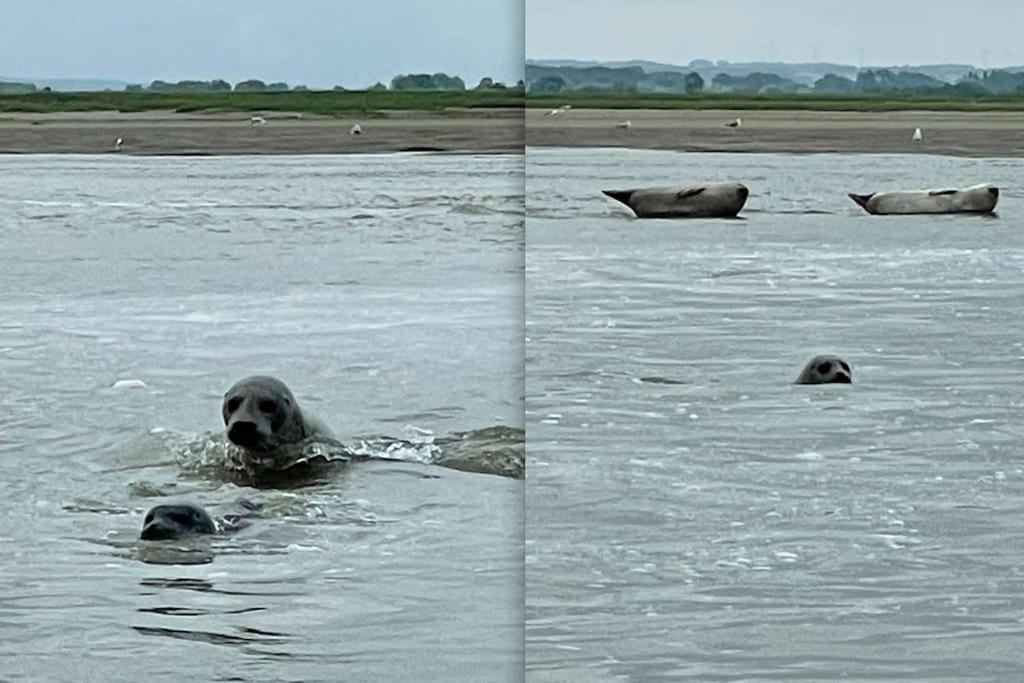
(824, 368)
(232, 404)
(267, 406)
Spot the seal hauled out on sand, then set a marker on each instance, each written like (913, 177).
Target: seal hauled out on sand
(179, 520)
(706, 200)
(975, 199)
(826, 369)
(261, 415)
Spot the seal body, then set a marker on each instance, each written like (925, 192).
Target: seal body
(705, 200)
(261, 415)
(975, 199)
(826, 369)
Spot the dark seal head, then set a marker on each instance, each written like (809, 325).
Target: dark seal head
(165, 522)
(261, 414)
(826, 369)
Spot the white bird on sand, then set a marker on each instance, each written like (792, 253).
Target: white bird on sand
(563, 108)
(627, 124)
(916, 137)
(257, 120)
(735, 124)
(356, 129)
(117, 144)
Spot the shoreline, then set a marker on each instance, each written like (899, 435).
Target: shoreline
(965, 134)
(165, 133)
(497, 131)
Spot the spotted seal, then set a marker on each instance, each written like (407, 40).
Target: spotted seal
(704, 200)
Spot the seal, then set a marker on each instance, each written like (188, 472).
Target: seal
(175, 521)
(180, 520)
(261, 415)
(706, 200)
(826, 369)
(975, 199)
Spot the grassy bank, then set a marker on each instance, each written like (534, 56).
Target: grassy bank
(864, 103)
(313, 102)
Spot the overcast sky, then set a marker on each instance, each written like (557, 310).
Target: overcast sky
(312, 42)
(986, 33)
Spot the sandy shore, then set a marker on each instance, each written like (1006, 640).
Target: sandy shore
(980, 134)
(167, 133)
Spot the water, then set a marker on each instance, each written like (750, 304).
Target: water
(386, 291)
(732, 525)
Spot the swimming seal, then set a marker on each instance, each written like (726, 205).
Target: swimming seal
(975, 199)
(174, 521)
(705, 200)
(180, 520)
(826, 369)
(261, 415)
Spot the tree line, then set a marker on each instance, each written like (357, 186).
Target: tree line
(433, 82)
(634, 79)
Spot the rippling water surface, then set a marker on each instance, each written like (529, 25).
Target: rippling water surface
(385, 290)
(691, 514)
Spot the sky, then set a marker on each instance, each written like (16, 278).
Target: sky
(319, 43)
(985, 33)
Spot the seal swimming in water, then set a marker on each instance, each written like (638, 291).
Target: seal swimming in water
(975, 199)
(178, 520)
(826, 369)
(261, 415)
(705, 200)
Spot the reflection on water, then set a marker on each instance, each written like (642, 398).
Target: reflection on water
(386, 291)
(691, 513)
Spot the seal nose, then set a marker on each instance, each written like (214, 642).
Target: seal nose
(156, 530)
(245, 433)
(994, 191)
(842, 378)
(742, 192)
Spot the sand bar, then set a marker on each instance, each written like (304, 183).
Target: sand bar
(974, 134)
(169, 133)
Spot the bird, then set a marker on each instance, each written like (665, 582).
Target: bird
(117, 144)
(563, 108)
(916, 137)
(257, 120)
(626, 125)
(356, 129)
(735, 124)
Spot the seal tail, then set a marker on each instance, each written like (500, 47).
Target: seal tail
(619, 195)
(861, 199)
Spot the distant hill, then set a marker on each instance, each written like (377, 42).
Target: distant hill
(701, 75)
(803, 73)
(69, 84)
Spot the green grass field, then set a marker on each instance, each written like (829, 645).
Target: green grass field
(313, 102)
(330, 103)
(864, 103)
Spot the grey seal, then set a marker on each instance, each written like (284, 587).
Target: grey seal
(179, 520)
(826, 369)
(975, 199)
(261, 415)
(704, 200)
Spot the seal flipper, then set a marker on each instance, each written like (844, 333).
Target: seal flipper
(689, 192)
(936, 193)
(620, 195)
(862, 199)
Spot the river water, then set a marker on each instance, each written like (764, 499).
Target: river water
(692, 514)
(386, 291)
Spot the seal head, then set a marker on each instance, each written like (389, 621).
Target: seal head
(826, 369)
(165, 522)
(260, 414)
